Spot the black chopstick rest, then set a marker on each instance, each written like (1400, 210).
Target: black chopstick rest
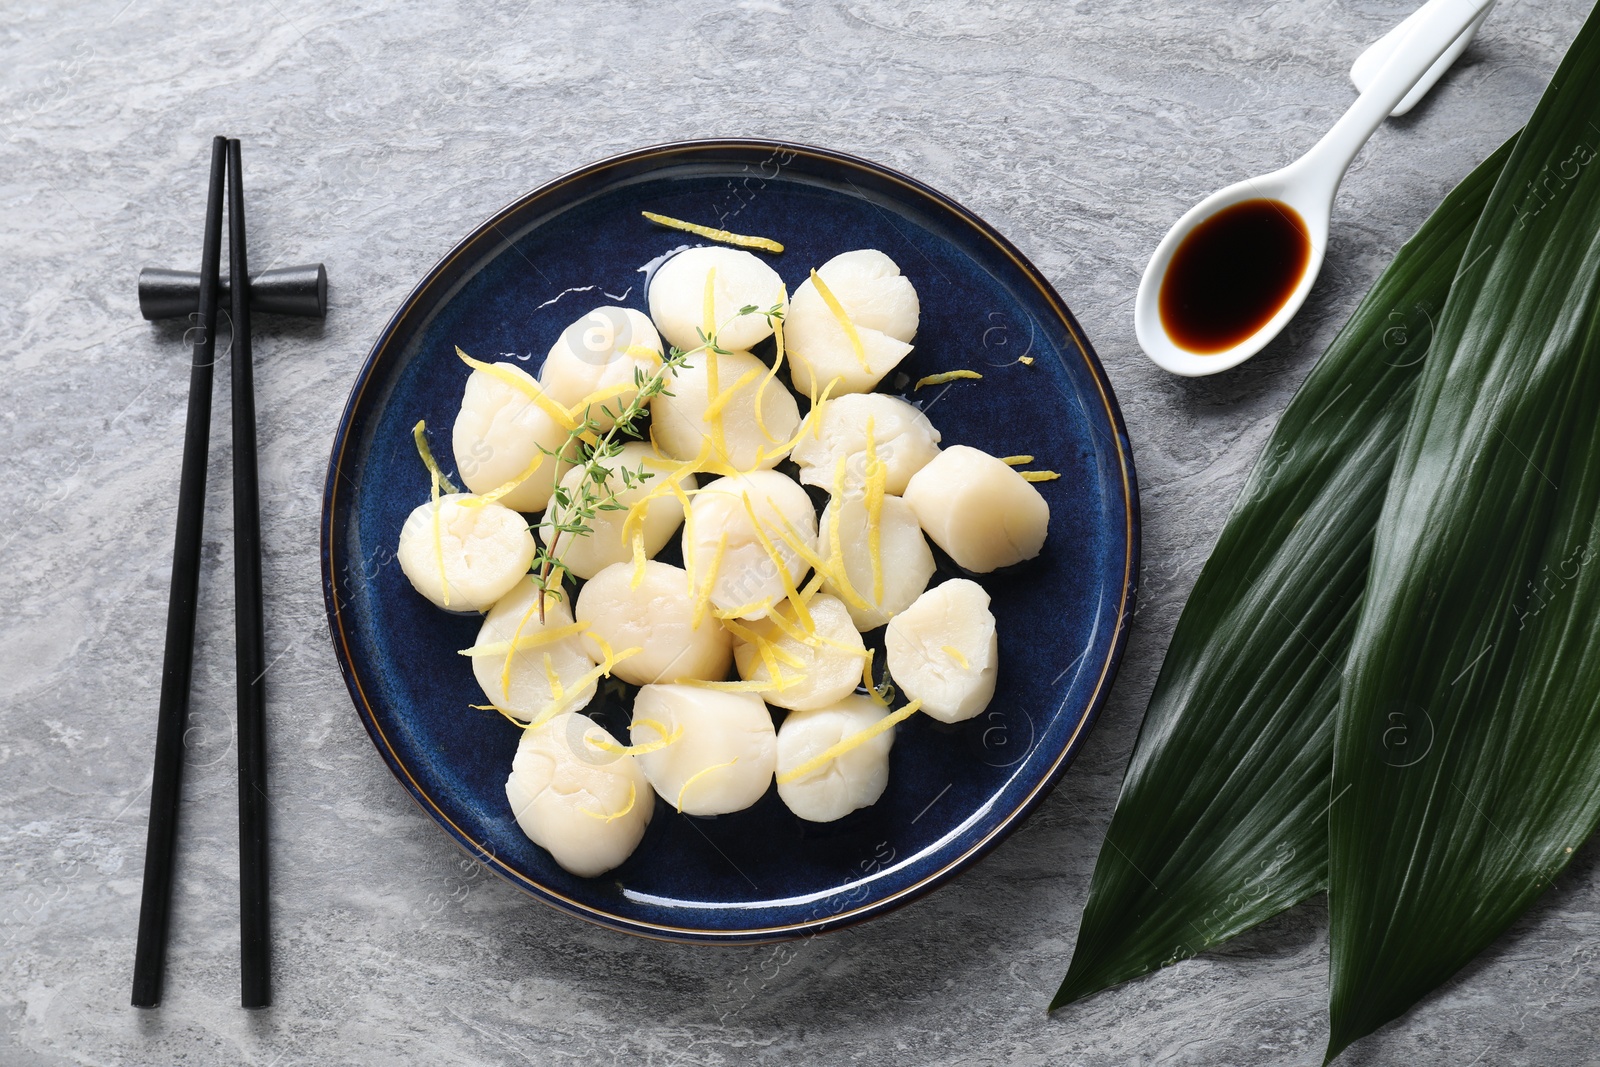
(174, 294)
(249, 621)
(178, 660)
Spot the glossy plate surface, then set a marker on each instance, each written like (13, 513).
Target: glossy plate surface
(506, 292)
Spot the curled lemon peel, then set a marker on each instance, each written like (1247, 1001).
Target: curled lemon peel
(583, 681)
(1039, 476)
(841, 575)
(783, 566)
(772, 372)
(419, 434)
(664, 737)
(711, 233)
(695, 777)
(494, 495)
(702, 597)
(515, 718)
(633, 798)
(525, 385)
(522, 643)
(946, 376)
(553, 679)
(539, 603)
(855, 740)
(436, 478)
(791, 537)
(568, 693)
(877, 477)
(739, 612)
(688, 539)
(752, 685)
(1016, 461)
(843, 319)
(636, 543)
(881, 695)
(708, 316)
(720, 401)
(957, 655)
(805, 424)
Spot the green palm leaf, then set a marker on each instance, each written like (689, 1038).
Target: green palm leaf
(1478, 645)
(1222, 818)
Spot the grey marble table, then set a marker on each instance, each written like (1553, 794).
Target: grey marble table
(376, 134)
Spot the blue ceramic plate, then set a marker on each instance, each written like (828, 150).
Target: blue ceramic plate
(506, 292)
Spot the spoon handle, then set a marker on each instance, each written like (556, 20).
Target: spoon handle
(1431, 36)
(1372, 60)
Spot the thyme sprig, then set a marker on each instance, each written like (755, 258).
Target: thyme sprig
(572, 511)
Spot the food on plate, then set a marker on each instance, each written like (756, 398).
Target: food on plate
(851, 321)
(586, 806)
(881, 560)
(981, 511)
(738, 280)
(943, 650)
(802, 656)
(746, 540)
(721, 747)
(729, 406)
(903, 437)
(851, 780)
(464, 553)
(525, 663)
(636, 472)
(506, 427)
(767, 591)
(594, 363)
(650, 608)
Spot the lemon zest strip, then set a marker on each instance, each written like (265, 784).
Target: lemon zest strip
(841, 574)
(522, 644)
(844, 320)
(702, 597)
(955, 653)
(720, 401)
(639, 559)
(528, 387)
(711, 233)
(708, 314)
(419, 434)
(783, 566)
(761, 390)
(695, 777)
(855, 740)
(1016, 461)
(947, 376)
(633, 797)
(881, 695)
(762, 455)
(663, 739)
(505, 668)
(1039, 476)
(877, 481)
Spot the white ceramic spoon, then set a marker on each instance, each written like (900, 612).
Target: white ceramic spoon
(1368, 63)
(1307, 185)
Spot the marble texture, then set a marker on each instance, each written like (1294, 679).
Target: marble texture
(375, 135)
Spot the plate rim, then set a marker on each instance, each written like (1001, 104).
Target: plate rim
(851, 915)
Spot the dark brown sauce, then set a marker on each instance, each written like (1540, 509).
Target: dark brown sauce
(1232, 273)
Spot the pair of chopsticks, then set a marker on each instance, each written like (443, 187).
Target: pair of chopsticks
(155, 906)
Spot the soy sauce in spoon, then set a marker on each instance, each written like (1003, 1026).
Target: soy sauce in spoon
(1232, 273)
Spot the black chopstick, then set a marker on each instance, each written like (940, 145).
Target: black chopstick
(254, 954)
(178, 661)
